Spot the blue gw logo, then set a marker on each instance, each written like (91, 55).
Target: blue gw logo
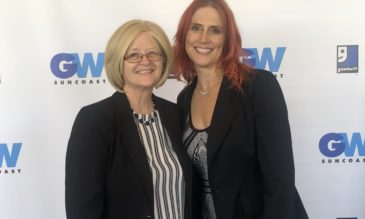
(7, 157)
(335, 144)
(66, 65)
(268, 60)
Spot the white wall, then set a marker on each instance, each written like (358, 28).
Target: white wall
(38, 112)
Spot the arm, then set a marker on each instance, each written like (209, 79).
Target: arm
(274, 146)
(85, 167)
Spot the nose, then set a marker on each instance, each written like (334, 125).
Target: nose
(204, 37)
(144, 59)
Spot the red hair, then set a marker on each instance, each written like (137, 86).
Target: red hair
(234, 69)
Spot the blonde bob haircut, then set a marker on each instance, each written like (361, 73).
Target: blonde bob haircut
(119, 43)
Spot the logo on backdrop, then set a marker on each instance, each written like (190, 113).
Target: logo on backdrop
(9, 154)
(76, 68)
(348, 59)
(341, 147)
(270, 59)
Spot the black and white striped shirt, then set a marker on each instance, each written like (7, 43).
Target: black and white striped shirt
(167, 174)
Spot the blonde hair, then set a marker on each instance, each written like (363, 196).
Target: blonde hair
(119, 43)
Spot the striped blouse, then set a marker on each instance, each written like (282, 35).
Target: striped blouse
(167, 174)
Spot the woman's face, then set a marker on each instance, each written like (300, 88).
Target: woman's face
(205, 38)
(143, 63)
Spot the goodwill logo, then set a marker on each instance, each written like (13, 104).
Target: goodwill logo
(9, 155)
(75, 68)
(348, 59)
(342, 148)
(269, 59)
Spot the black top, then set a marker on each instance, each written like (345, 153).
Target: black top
(195, 142)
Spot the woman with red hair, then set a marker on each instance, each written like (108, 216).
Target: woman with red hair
(236, 128)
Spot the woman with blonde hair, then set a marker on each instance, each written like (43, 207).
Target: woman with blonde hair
(125, 157)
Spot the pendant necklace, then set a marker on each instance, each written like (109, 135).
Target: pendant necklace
(207, 92)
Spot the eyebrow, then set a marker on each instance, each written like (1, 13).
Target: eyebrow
(138, 50)
(215, 26)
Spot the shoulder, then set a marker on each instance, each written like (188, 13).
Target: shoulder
(99, 112)
(168, 112)
(265, 92)
(261, 81)
(100, 107)
(165, 105)
(261, 78)
(164, 102)
(185, 92)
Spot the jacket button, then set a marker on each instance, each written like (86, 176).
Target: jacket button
(149, 217)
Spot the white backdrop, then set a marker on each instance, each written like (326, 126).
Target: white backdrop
(305, 43)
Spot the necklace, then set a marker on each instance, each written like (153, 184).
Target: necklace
(207, 92)
(146, 119)
(204, 93)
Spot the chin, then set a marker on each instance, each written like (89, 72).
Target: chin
(203, 64)
(148, 85)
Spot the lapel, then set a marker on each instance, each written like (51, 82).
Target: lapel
(128, 134)
(224, 113)
(170, 123)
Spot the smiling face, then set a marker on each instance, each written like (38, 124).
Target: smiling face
(144, 74)
(205, 38)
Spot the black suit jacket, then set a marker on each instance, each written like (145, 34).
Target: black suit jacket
(107, 172)
(250, 159)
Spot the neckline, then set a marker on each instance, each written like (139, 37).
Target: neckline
(146, 119)
(193, 127)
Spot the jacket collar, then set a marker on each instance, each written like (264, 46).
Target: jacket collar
(224, 113)
(130, 139)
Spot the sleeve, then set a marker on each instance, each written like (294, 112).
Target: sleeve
(274, 146)
(85, 167)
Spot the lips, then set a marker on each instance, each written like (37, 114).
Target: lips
(144, 71)
(203, 50)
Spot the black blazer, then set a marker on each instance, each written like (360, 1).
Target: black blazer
(250, 158)
(107, 172)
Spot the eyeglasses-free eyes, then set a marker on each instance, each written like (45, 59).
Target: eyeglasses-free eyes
(135, 57)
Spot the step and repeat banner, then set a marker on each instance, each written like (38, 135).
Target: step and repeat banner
(52, 64)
